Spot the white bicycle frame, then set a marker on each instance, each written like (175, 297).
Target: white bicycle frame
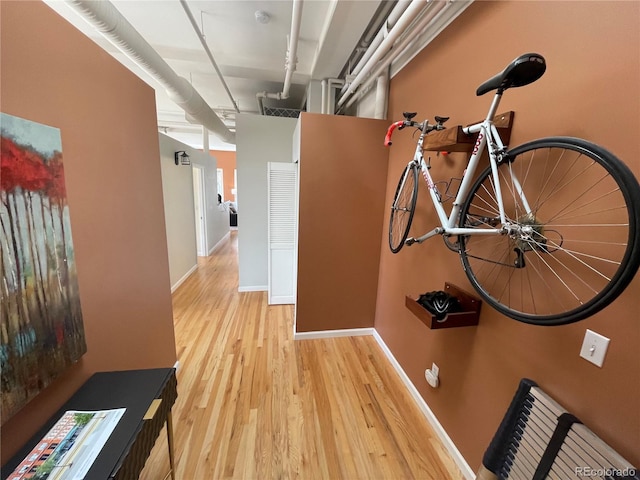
(489, 137)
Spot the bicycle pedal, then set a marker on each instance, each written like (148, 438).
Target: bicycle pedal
(409, 241)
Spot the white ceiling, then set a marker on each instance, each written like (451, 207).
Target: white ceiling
(250, 55)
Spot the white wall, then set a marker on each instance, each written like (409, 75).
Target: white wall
(177, 186)
(259, 140)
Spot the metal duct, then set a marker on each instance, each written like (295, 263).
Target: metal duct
(110, 23)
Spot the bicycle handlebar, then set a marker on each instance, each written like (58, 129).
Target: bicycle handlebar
(392, 127)
(425, 127)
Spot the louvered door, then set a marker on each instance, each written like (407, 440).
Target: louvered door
(282, 229)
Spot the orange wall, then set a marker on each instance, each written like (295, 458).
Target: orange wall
(111, 156)
(590, 90)
(227, 162)
(343, 168)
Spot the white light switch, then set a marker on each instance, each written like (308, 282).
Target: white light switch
(594, 347)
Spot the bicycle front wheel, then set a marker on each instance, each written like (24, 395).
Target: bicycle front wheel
(570, 242)
(403, 207)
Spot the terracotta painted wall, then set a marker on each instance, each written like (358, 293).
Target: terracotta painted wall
(590, 90)
(227, 162)
(54, 75)
(343, 168)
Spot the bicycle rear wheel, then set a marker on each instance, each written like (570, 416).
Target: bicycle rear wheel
(576, 247)
(403, 207)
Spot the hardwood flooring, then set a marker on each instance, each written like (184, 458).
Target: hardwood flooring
(255, 404)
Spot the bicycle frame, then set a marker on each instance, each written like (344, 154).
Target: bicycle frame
(488, 137)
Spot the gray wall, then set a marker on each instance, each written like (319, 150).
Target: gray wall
(177, 187)
(259, 140)
(217, 216)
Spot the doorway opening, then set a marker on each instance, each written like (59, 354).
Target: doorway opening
(199, 202)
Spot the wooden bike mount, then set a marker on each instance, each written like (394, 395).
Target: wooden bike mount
(468, 316)
(455, 140)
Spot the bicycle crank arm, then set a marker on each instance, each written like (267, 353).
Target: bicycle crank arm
(435, 231)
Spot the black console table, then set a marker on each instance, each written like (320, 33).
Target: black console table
(147, 395)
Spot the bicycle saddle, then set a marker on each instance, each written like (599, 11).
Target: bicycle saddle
(522, 71)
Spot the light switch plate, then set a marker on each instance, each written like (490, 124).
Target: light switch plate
(594, 347)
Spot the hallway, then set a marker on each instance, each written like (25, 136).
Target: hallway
(254, 404)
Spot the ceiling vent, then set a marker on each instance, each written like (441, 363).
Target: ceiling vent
(281, 112)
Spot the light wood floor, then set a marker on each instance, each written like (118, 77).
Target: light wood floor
(254, 404)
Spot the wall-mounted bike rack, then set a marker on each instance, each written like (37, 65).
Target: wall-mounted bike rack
(455, 140)
(469, 315)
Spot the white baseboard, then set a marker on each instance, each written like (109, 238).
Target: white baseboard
(282, 300)
(220, 242)
(413, 391)
(184, 277)
(347, 332)
(424, 408)
(254, 288)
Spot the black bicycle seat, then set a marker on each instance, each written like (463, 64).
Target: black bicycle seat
(522, 71)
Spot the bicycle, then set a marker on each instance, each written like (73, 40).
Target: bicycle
(547, 233)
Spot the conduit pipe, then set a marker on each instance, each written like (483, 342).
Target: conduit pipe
(324, 89)
(291, 60)
(332, 83)
(393, 17)
(435, 11)
(113, 26)
(292, 54)
(208, 51)
(382, 87)
(399, 28)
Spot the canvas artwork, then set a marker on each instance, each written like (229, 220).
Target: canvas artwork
(41, 330)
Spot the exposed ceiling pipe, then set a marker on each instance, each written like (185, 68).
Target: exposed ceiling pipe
(393, 17)
(382, 88)
(208, 51)
(325, 93)
(113, 26)
(436, 10)
(292, 60)
(292, 55)
(330, 99)
(399, 28)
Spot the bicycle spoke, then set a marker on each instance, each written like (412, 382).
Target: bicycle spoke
(402, 208)
(568, 246)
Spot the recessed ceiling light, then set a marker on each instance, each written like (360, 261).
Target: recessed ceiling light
(262, 17)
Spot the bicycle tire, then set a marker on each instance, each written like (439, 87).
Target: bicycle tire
(403, 207)
(576, 251)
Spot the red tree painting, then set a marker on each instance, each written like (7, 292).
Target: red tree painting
(41, 331)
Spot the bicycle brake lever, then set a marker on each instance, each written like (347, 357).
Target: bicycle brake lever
(440, 122)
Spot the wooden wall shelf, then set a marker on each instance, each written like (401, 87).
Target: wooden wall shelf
(469, 315)
(455, 140)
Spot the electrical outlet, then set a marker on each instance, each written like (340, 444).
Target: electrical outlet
(431, 375)
(594, 347)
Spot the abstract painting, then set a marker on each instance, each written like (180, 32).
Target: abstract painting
(42, 332)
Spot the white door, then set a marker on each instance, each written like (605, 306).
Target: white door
(282, 227)
(200, 211)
